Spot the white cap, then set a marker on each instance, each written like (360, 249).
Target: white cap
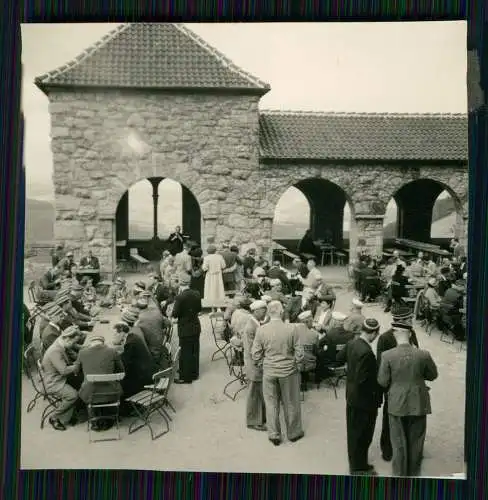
(258, 304)
(357, 303)
(274, 282)
(304, 315)
(266, 298)
(258, 271)
(338, 316)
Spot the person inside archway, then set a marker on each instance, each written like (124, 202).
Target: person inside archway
(175, 241)
(457, 249)
(307, 245)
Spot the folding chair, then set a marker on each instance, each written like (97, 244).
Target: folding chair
(33, 292)
(236, 370)
(164, 385)
(337, 374)
(51, 399)
(100, 401)
(30, 365)
(217, 323)
(148, 402)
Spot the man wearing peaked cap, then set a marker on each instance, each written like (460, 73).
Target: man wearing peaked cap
(408, 399)
(186, 309)
(255, 407)
(309, 338)
(401, 314)
(363, 396)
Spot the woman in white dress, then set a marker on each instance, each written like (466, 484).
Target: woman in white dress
(213, 265)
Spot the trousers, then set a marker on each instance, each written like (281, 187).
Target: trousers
(255, 407)
(360, 429)
(189, 368)
(64, 409)
(284, 391)
(385, 439)
(407, 440)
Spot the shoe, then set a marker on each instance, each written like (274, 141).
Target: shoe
(180, 381)
(57, 425)
(257, 427)
(386, 457)
(275, 441)
(297, 438)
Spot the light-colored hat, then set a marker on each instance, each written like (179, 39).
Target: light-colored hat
(259, 271)
(338, 316)
(258, 304)
(70, 254)
(69, 332)
(142, 303)
(304, 315)
(77, 288)
(96, 338)
(371, 325)
(266, 298)
(431, 282)
(184, 279)
(357, 303)
(275, 282)
(128, 317)
(401, 312)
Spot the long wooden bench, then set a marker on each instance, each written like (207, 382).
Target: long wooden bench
(139, 260)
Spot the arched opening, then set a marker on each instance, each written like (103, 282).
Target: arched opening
(425, 211)
(315, 204)
(148, 213)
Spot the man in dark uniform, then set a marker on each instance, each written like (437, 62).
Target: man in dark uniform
(187, 306)
(387, 341)
(249, 262)
(363, 396)
(175, 241)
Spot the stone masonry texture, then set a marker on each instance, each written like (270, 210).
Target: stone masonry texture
(105, 141)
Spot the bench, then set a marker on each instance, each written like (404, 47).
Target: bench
(139, 260)
(289, 254)
(309, 256)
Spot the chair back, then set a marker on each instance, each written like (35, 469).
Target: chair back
(32, 292)
(41, 376)
(217, 322)
(106, 377)
(30, 362)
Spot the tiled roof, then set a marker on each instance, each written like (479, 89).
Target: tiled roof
(363, 136)
(152, 56)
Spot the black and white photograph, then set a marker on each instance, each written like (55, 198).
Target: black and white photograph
(245, 247)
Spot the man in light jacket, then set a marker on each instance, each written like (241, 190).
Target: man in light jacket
(277, 347)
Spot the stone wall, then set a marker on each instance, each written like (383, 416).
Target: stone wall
(105, 142)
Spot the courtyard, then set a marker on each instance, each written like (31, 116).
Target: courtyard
(208, 432)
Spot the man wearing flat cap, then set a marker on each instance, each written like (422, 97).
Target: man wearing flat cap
(57, 367)
(187, 307)
(255, 407)
(363, 396)
(386, 341)
(309, 340)
(403, 372)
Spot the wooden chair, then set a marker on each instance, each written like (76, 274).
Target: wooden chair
(217, 323)
(100, 401)
(235, 362)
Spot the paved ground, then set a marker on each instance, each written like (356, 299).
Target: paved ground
(208, 432)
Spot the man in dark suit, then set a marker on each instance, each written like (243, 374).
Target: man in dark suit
(90, 262)
(187, 306)
(175, 241)
(403, 372)
(296, 305)
(277, 272)
(450, 309)
(387, 341)
(363, 396)
(248, 262)
(444, 281)
(50, 283)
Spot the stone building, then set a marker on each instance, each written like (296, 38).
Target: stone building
(154, 101)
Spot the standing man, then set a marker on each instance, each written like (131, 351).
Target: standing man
(386, 341)
(228, 274)
(278, 348)
(255, 407)
(403, 372)
(175, 241)
(186, 309)
(183, 261)
(363, 396)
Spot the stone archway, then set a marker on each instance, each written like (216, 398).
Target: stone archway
(415, 202)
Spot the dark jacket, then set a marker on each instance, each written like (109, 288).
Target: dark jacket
(443, 286)
(139, 365)
(399, 286)
(362, 388)
(278, 273)
(48, 282)
(94, 263)
(452, 301)
(153, 325)
(175, 243)
(248, 264)
(99, 360)
(187, 306)
(294, 308)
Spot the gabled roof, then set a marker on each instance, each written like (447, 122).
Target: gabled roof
(152, 56)
(362, 136)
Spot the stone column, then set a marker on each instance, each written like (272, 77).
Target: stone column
(155, 181)
(370, 234)
(266, 240)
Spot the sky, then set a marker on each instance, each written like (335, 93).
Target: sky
(355, 67)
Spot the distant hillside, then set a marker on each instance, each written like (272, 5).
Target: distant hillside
(39, 221)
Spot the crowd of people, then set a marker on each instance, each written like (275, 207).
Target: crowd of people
(283, 322)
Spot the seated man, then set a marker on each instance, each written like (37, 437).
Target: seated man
(99, 359)
(50, 283)
(276, 292)
(431, 295)
(50, 332)
(370, 282)
(296, 305)
(314, 277)
(450, 309)
(444, 281)
(92, 263)
(56, 367)
(277, 272)
(240, 316)
(327, 346)
(354, 322)
(309, 338)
